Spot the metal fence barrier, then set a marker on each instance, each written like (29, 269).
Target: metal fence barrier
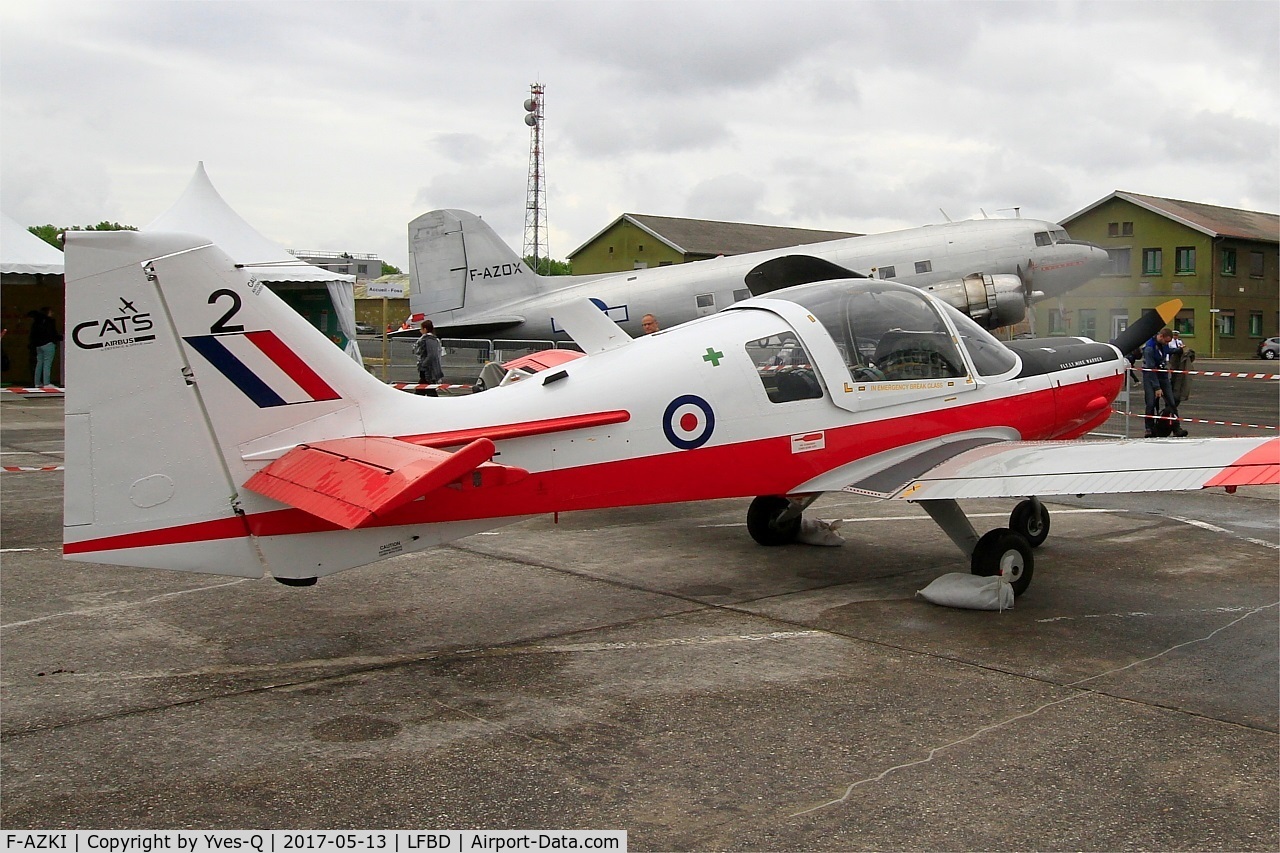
(462, 358)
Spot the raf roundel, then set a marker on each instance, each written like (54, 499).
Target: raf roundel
(688, 422)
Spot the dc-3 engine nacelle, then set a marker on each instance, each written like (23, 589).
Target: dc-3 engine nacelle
(991, 300)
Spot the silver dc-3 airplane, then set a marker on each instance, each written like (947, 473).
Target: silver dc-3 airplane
(469, 283)
(210, 428)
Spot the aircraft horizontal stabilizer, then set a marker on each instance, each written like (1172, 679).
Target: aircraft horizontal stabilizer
(589, 327)
(353, 481)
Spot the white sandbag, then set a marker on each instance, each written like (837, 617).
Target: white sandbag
(818, 531)
(972, 592)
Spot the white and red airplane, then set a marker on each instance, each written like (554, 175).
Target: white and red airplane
(210, 428)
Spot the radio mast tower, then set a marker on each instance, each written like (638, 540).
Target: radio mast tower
(535, 212)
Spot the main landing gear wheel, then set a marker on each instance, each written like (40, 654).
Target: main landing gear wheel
(763, 524)
(1030, 520)
(1006, 553)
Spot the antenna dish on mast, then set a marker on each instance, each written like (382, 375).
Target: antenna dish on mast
(535, 212)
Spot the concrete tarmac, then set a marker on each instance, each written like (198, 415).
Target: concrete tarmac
(653, 670)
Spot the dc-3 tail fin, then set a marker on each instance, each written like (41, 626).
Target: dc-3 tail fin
(462, 272)
(186, 377)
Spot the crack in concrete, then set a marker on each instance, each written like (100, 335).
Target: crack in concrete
(1084, 692)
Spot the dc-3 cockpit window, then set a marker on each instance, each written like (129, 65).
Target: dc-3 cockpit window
(885, 332)
(784, 368)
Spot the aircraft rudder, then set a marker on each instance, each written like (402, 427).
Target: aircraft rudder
(139, 455)
(459, 264)
(178, 360)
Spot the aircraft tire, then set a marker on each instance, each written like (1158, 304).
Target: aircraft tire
(1004, 552)
(761, 516)
(1030, 525)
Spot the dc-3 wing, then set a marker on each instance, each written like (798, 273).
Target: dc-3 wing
(991, 468)
(353, 481)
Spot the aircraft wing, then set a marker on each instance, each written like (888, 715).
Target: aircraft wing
(353, 481)
(991, 469)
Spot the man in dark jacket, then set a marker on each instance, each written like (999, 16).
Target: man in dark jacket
(1157, 390)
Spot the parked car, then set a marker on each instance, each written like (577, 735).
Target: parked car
(366, 329)
(1269, 349)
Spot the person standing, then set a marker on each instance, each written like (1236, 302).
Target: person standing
(1157, 391)
(427, 348)
(44, 341)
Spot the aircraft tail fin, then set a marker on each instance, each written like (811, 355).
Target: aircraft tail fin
(185, 374)
(461, 270)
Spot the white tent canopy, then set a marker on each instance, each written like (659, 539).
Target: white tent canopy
(201, 210)
(23, 252)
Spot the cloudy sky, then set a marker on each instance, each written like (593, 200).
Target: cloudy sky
(329, 125)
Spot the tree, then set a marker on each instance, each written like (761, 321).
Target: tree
(390, 269)
(549, 266)
(52, 234)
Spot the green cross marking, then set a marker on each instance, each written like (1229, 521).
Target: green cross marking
(713, 357)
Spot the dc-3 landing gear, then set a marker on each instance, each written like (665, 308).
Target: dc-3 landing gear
(1005, 551)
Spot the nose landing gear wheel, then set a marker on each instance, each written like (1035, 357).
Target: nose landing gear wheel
(1006, 553)
(763, 525)
(1030, 520)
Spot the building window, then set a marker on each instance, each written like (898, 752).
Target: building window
(640, 248)
(924, 266)
(1256, 265)
(1126, 229)
(1255, 324)
(888, 272)
(1185, 322)
(1089, 323)
(1227, 323)
(1184, 260)
(1228, 261)
(1153, 261)
(1120, 261)
(1057, 323)
(1113, 229)
(362, 269)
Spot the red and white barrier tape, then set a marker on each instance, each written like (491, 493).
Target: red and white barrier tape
(14, 469)
(48, 389)
(443, 386)
(1210, 373)
(1186, 420)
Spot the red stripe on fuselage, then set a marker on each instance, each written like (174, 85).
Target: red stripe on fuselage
(765, 466)
(199, 531)
(504, 432)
